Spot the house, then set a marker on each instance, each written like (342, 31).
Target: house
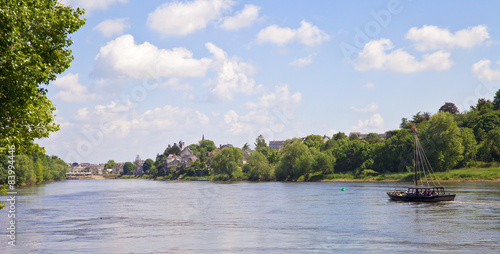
(276, 145)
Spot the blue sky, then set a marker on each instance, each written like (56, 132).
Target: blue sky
(150, 73)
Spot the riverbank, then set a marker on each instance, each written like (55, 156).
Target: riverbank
(491, 174)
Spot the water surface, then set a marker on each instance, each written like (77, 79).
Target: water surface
(141, 216)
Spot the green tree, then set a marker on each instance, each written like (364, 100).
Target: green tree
(373, 138)
(110, 164)
(443, 142)
(260, 142)
(34, 48)
(207, 144)
(450, 108)
(296, 160)
(153, 171)
(324, 162)
(148, 163)
(470, 146)
(489, 148)
(258, 167)
(496, 100)
(3, 190)
(227, 161)
(315, 141)
(128, 168)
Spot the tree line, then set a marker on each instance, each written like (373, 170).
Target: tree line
(451, 140)
(33, 169)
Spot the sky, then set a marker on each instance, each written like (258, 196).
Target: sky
(150, 73)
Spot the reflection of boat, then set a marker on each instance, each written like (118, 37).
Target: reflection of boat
(422, 191)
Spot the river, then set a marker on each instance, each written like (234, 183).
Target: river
(141, 216)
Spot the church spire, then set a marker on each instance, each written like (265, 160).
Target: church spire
(203, 137)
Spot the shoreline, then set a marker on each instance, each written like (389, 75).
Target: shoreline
(100, 177)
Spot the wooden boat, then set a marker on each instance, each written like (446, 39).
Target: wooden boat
(424, 189)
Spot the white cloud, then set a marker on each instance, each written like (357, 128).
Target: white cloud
(70, 89)
(122, 57)
(82, 113)
(245, 18)
(306, 34)
(482, 70)
(90, 5)
(374, 124)
(204, 120)
(112, 27)
(433, 38)
(302, 62)
(369, 108)
(369, 85)
(280, 98)
(232, 75)
(182, 18)
(376, 55)
(176, 85)
(272, 112)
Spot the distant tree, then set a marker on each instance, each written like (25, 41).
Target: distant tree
(324, 162)
(315, 141)
(450, 108)
(227, 161)
(246, 147)
(258, 167)
(442, 142)
(496, 100)
(110, 164)
(489, 148)
(74, 164)
(3, 190)
(421, 117)
(260, 142)
(483, 106)
(373, 138)
(404, 122)
(296, 160)
(207, 144)
(148, 163)
(172, 150)
(153, 171)
(353, 137)
(128, 168)
(339, 135)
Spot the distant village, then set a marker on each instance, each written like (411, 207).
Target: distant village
(173, 161)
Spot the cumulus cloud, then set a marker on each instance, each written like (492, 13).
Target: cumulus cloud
(369, 108)
(122, 57)
(90, 5)
(302, 62)
(306, 34)
(232, 75)
(482, 70)
(112, 27)
(432, 37)
(271, 112)
(374, 124)
(70, 89)
(377, 54)
(244, 18)
(182, 18)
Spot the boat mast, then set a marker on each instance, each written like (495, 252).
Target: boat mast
(415, 166)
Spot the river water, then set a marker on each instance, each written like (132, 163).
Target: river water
(141, 216)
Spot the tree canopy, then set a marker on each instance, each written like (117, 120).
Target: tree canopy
(34, 48)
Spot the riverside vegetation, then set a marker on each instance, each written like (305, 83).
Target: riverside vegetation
(460, 146)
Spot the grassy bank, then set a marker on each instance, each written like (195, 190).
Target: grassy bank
(461, 174)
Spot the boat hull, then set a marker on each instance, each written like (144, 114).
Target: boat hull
(400, 196)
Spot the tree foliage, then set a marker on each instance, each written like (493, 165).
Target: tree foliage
(450, 108)
(34, 48)
(259, 168)
(227, 161)
(260, 142)
(296, 160)
(128, 168)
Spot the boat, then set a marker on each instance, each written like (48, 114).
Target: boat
(426, 186)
